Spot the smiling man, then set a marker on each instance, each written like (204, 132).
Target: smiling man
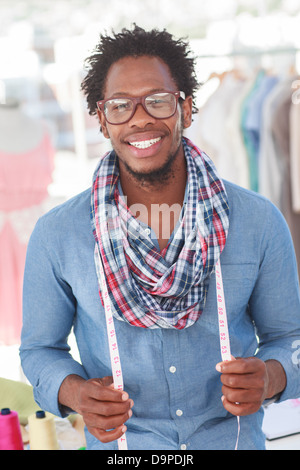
(109, 244)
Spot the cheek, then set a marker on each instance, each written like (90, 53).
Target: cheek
(110, 132)
(115, 140)
(105, 132)
(178, 128)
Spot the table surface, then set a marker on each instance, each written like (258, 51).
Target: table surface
(284, 443)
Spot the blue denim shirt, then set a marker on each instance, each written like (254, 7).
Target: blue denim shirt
(170, 374)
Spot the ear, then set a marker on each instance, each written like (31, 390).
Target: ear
(187, 107)
(103, 125)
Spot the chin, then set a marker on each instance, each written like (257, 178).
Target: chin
(155, 175)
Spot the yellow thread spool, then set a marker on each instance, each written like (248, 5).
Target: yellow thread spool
(42, 431)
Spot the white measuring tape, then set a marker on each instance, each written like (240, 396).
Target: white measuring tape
(113, 344)
(112, 340)
(223, 327)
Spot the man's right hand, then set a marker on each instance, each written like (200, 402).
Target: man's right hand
(104, 409)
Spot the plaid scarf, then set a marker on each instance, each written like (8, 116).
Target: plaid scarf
(149, 288)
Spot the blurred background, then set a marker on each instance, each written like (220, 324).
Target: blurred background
(248, 61)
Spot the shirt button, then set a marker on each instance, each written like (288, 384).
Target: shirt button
(183, 447)
(147, 231)
(179, 412)
(172, 369)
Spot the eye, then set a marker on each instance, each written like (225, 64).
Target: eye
(118, 106)
(159, 100)
(156, 102)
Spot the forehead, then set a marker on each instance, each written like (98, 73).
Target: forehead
(135, 76)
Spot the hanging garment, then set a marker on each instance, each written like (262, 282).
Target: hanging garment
(281, 130)
(252, 122)
(24, 179)
(271, 160)
(295, 154)
(211, 134)
(235, 138)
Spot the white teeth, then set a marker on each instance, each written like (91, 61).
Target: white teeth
(144, 144)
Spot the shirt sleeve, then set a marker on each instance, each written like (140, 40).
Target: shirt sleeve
(275, 303)
(48, 313)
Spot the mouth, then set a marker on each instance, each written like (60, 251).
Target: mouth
(144, 144)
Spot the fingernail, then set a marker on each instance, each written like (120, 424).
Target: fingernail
(222, 398)
(125, 396)
(218, 367)
(124, 429)
(130, 413)
(131, 403)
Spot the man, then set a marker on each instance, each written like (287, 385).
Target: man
(178, 394)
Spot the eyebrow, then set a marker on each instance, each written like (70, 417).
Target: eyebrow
(123, 94)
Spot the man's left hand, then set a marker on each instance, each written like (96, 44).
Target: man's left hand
(247, 382)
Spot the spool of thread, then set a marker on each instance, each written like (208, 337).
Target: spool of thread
(42, 431)
(10, 430)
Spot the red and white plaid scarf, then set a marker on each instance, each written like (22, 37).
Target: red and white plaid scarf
(149, 288)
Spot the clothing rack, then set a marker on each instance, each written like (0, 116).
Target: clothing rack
(249, 124)
(250, 53)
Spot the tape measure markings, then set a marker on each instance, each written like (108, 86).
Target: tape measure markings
(112, 341)
(223, 327)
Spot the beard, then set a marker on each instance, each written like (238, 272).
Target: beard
(157, 177)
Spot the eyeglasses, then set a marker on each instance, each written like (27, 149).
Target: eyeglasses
(120, 110)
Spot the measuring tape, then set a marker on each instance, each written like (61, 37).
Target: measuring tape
(222, 316)
(223, 327)
(112, 338)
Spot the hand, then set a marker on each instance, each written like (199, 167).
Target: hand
(247, 382)
(104, 409)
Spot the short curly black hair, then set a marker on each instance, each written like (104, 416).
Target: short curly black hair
(135, 43)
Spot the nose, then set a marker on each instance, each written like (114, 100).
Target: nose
(141, 118)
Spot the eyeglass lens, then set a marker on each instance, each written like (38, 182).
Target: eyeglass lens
(158, 105)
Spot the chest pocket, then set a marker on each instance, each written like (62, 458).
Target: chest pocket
(238, 281)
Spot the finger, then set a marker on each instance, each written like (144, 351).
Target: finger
(240, 409)
(241, 395)
(98, 408)
(113, 419)
(219, 366)
(104, 422)
(249, 381)
(101, 392)
(107, 381)
(108, 408)
(240, 366)
(108, 436)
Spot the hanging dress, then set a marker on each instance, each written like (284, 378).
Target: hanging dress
(24, 179)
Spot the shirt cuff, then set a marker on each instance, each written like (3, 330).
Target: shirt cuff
(291, 368)
(46, 390)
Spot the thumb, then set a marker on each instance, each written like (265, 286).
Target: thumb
(107, 381)
(219, 365)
